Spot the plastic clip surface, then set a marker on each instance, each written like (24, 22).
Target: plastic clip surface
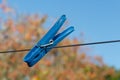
(48, 41)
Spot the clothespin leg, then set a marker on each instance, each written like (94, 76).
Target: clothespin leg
(52, 32)
(62, 35)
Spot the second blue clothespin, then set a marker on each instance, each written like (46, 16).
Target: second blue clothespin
(49, 41)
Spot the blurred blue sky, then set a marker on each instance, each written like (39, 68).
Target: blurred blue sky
(99, 20)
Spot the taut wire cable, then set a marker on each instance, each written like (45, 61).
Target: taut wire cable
(65, 46)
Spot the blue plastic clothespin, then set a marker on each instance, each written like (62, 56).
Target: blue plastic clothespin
(49, 40)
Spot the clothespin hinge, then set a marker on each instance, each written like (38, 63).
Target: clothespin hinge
(46, 45)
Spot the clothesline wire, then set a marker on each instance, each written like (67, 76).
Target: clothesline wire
(65, 46)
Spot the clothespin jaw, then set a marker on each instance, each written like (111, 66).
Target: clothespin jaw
(49, 41)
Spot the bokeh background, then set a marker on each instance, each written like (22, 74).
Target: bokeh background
(23, 23)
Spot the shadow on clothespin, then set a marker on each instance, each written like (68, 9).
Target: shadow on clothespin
(48, 41)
